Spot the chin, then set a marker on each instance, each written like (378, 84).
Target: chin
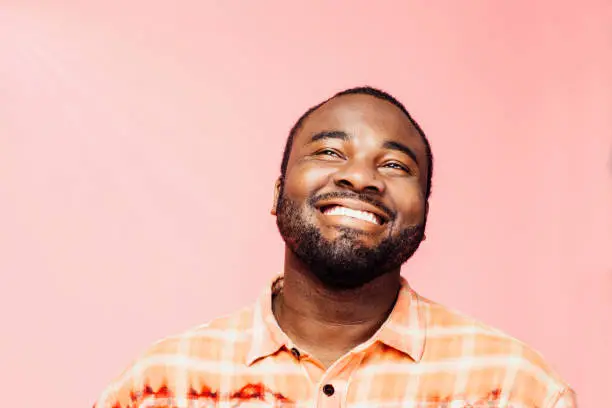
(334, 233)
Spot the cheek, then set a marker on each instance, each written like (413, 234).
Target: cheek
(411, 206)
(304, 181)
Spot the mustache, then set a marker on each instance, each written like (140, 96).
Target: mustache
(367, 198)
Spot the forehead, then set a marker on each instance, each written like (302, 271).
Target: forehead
(363, 114)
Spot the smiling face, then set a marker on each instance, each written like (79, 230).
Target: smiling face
(351, 206)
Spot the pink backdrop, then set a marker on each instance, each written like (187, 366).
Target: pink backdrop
(139, 144)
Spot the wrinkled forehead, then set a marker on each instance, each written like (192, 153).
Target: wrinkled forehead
(355, 114)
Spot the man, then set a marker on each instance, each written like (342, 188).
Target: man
(341, 327)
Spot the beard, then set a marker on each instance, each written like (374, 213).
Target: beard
(344, 262)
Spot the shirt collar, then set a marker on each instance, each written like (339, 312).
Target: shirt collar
(267, 337)
(404, 329)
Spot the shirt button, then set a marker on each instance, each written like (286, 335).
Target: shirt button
(295, 352)
(328, 390)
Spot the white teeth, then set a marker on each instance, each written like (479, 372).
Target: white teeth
(362, 215)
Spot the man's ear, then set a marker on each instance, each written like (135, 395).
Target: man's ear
(426, 214)
(277, 186)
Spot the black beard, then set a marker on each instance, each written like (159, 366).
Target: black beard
(343, 263)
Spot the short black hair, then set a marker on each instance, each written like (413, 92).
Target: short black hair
(363, 90)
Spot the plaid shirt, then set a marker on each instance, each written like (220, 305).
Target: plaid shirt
(425, 355)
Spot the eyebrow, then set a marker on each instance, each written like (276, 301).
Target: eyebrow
(329, 134)
(401, 148)
(390, 145)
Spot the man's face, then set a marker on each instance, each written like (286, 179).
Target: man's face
(352, 206)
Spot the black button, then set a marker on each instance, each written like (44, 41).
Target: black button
(295, 352)
(328, 389)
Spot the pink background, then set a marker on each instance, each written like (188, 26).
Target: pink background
(139, 144)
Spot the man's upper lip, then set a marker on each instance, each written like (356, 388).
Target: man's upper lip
(354, 205)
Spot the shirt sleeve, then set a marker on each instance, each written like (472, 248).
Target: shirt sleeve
(107, 399)
(566, 399)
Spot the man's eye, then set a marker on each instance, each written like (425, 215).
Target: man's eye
(328, 152)
(398, 166)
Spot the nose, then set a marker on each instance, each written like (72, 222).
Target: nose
(359, 177)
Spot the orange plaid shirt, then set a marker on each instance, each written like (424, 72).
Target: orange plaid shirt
(425, 355)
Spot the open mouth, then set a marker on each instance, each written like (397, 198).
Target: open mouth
(336, 209)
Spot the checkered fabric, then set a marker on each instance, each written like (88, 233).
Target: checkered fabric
(425, 355)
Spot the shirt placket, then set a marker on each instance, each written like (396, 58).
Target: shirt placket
(331, 386)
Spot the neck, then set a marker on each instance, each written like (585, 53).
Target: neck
(330, 322)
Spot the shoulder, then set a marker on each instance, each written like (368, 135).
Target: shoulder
(175, 360)
(454, 336)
